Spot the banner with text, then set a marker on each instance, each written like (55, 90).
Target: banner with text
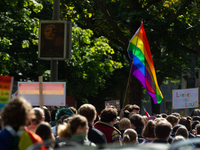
(6, 83)
(54, 93)
(185, 98)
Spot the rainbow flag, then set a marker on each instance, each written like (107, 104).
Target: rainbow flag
(143, 67)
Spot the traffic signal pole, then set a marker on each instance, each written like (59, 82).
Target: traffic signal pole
(54, 63)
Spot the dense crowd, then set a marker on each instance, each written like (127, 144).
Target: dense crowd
(22, 126)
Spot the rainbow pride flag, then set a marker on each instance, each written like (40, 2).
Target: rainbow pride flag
(143, 67)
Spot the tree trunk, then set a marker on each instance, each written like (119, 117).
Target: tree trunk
(135, 91)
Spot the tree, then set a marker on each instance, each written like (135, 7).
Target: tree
(90, 65)
(19, 39)
(167, 25)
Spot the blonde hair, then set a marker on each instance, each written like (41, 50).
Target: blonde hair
(124, 123)
(130, 136)
(69, 129)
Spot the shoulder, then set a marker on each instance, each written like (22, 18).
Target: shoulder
(4, 139)
(100, 123)
(95, 131)
(34, 137)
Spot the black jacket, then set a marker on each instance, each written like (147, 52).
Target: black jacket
(96, 136)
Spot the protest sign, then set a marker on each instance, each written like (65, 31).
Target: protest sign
(54, 93)
(115, 103)
(185, 98)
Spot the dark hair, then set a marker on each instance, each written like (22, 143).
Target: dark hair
(108, 114)
(182, 131)
(163, 129)
(175, 128)
(130, 108)
(87, 110)
(47, 114)
(149, 129)
(195, 112)
(164, 115)
(187, 123)
(172, 119)
(195, 123)
(44, 130)
(198, 128)
(53, 114)
(137, 120)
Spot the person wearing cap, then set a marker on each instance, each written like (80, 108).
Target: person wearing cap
(36, 119)
(60, 112)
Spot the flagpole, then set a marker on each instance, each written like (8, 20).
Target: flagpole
(131, 68)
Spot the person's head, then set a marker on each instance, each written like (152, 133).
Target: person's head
(195, 112)
(172, 119)
(50, 32)
(127, 107)
(178, 138)
(196, 118)
(163, 130)
(182, 131)
(89, 111)
(187, 123)
(124, 124)
(194, 123)
(47, 114)
(164, 115)
(137, 121)
(159, 119)
(39, 115)
(108, 115)
(148, 131)
(176, 114)
(61, 112)
(44, 131)
(197, 129)
(175, 128)
(16, 112)
(134, 108)
(130, 136)
(73, 109)
(77, 124)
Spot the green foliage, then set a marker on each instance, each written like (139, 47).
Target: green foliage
(19, 39)
(90, 65)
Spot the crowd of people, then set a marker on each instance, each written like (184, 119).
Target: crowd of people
(21, 126)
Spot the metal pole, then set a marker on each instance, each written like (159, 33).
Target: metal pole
(54, 63)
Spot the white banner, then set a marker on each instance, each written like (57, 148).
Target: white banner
(54, 93)
(185, 98)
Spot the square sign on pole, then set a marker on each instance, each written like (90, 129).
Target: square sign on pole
(54, 40)
(185, 98)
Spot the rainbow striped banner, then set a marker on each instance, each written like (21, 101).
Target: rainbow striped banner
(143, 67)
(6, 83)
